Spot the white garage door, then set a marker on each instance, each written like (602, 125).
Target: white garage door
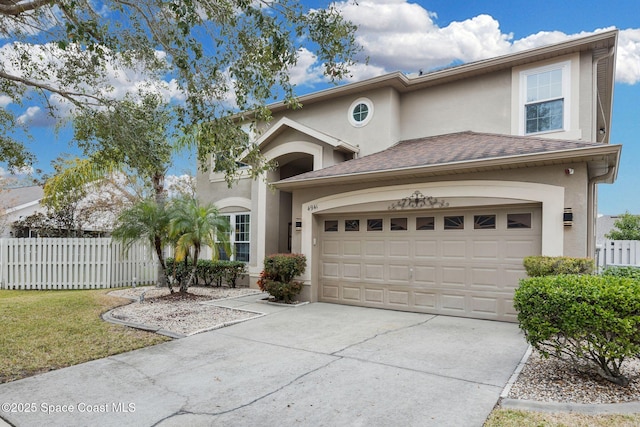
(456, 262)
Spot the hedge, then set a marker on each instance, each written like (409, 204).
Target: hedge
(208, 272)
(538, 265)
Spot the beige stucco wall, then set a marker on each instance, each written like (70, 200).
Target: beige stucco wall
(575, 196)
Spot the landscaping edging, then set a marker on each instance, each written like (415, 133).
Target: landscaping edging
(281, 304)
(506, 402)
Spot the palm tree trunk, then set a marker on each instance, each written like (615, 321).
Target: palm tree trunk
(194, 270)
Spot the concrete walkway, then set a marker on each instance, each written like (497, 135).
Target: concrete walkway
(314, 365)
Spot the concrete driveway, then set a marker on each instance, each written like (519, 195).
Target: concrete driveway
(314, 365)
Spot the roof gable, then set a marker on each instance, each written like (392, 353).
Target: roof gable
(285, 123)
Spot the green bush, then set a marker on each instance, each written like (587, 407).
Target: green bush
(591, 321)
(537, 266)
(618, 271)
(232, 271)
(277, 276)
(208, 272)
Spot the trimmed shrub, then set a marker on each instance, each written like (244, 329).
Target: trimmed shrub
(618, 271)
(232, 271)
(591, 321)
(277, 276)
(208, 272)
(537, 266)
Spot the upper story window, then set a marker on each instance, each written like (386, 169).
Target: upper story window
(545, 94)
(360, 112)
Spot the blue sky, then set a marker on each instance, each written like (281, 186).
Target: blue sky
(408, 36)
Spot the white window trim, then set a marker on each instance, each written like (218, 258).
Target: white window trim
(354, 104)
(232, 235)
(565, 67)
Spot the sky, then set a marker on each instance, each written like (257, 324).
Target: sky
(407, 36)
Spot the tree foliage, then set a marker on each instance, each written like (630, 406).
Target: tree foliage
(147, 221)
(222, 57)
(626, 227)
(193, 226)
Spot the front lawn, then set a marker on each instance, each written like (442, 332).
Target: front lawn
(511, 418)
(47, 330)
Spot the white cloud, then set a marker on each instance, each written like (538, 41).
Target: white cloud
(36, 117)
(628, 65)
(400, 36)
(307, 71)
(4, 101)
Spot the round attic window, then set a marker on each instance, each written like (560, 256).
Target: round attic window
(360, 112)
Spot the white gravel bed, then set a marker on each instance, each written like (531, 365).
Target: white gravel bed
(553, 380)
(183, 316)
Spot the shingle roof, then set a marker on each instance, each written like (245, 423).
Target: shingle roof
(445, 149)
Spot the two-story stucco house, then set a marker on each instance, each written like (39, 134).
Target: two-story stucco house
(425, 193)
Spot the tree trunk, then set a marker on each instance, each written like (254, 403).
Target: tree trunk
(194, 271)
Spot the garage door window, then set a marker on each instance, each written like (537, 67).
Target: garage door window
(352, 225)
(425, 223)
(484, 222)
(515, 221)
(398, 224)
(454, 222)
(331, 225)
(374, 225)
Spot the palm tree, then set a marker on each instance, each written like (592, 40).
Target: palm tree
(146, 220)
(194, 226)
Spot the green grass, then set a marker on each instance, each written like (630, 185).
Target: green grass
(47, 330)
(510, 418)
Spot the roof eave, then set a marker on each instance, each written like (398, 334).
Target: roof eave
(526, 160)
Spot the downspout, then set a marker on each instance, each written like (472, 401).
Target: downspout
(591, 187)
(591, 214)
(597, 102)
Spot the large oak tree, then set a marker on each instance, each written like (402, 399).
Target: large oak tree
(222, 56)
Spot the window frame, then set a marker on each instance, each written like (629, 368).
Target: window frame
(352, 110)
(233, 223)
(565, 97)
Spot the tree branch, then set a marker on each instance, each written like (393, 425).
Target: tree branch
(15, 8)
(70, 96)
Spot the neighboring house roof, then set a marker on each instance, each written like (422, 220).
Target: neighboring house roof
(458, 153)
(14, 199)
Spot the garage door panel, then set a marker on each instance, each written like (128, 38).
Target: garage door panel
(424, 300)
(454, 276)
(399, 248)
(330, 291)
(399, 273)
(330, 269)
(464, 272)
(486, 277)
(374, 296)
(518, 249)
(399, 298)
(351, 270)
(351, 293)
(374, 248)
(483, 305)
(374, 272)
(426, 249)
(456, 249)
(351, 248)
(330, 248)
(486, 250)
(453, 303)
(424, 275)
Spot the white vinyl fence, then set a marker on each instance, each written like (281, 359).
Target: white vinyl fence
(618, 253)
(59, 263)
